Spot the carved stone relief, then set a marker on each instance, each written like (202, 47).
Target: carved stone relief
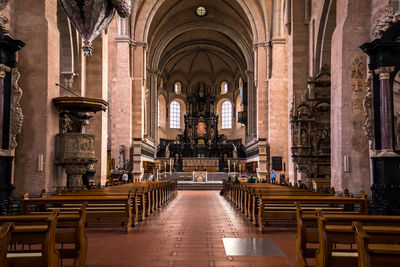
(3, 19)
(16, 112)
(310, 124)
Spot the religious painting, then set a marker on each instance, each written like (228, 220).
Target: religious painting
(201, 129)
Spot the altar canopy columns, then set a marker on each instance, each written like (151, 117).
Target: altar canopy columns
(39, 64)
(385, 108)
(297, 51)
(97, 87)
(119, 80)
(3, 71)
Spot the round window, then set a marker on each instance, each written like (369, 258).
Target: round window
(201, 11)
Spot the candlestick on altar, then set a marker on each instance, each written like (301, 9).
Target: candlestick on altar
(170, 166)
(240, 169)
(234, 167)
(229, 166)
(165, 167)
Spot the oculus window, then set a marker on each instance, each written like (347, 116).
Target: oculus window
(201, 11)
(226, 115)
(175, 115)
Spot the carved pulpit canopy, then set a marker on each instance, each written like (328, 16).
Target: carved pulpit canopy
(91, 17)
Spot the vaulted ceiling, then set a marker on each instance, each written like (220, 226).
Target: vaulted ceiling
(191, 48)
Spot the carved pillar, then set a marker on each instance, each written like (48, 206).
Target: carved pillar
(385, 106)
(3, 70)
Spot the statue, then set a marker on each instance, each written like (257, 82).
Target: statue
(303, 138)
(65, 123)
(121, 158)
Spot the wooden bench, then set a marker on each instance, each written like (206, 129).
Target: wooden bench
(100, 209)
(337, 231)
(283, 208)
(307, 228)
(370, 254)
(44, 235)
(5, 236)
(70, 231)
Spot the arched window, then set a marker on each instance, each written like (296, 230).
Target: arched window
(226, 115)
(175, 115)
(224, 88)
(177, 88)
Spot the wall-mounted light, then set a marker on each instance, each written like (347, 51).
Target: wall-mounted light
(40, 162)
(346, 164)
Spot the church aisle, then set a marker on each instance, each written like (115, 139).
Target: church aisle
(189, 232)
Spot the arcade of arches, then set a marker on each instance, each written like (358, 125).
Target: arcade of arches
(307, 88)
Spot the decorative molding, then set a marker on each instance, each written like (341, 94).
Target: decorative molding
(16, 112)
(384, 72)
(3, 19)
(3, 70)
(368, 106)
(383, 24)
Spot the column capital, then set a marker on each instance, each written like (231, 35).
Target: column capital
(384, 72)
(249, 73)
(153, 72)
(136, 43)
(3, 70)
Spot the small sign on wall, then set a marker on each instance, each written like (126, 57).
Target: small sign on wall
(277, 163)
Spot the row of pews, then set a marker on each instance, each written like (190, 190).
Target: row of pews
(52, 228)
(331, 230)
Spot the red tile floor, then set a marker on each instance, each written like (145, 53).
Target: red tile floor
(187, 232)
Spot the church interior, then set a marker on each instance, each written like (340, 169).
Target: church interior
(200, 133)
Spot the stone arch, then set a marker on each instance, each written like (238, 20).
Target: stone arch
(257, 20)
(326, 28)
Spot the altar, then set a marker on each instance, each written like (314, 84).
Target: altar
(200, 164)
(200, 177)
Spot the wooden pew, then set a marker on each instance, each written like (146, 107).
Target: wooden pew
(5, 235)
(374, 255)
(100, 209)
(330, 233)
(307, 228)
(70, 230)
(35, 234)
(283, 207)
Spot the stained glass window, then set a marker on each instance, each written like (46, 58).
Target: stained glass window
(175, 115)
(226, 115)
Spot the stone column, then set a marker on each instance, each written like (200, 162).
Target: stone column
(3, 70)
(35, 24)
(385, 108)
(347, 138)
(97, 87)
(297, 51)
(251, 106)
(120, 84)
(153, 103)
(138, 104)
